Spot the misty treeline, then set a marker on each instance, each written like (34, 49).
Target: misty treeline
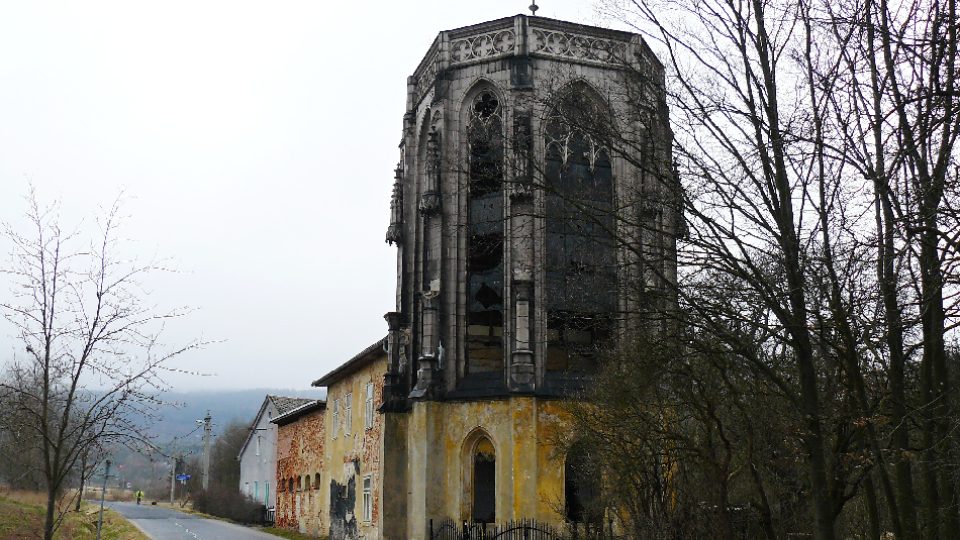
(808, 381)
(88, 366)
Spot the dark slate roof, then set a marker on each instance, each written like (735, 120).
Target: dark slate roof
(362, 358)
(293, 414)
(287, 404)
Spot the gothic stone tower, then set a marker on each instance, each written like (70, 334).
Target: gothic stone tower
(532, 221)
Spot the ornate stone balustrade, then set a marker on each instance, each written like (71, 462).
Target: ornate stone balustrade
(522, 35)
(483, 46)
(577, 46)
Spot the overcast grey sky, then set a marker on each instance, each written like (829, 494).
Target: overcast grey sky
(255, 144)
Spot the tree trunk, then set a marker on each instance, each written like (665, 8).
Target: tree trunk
(50, 518)
(83, 480)
(796, 325)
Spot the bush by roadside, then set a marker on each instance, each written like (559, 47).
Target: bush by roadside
(230, 504)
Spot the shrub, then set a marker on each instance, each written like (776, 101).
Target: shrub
(229, 503)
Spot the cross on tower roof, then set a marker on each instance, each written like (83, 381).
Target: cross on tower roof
(534, 7)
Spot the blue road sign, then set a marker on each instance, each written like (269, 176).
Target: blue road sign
(183, 477)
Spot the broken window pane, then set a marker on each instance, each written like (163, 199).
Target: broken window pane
(580, 249)
(485, 235)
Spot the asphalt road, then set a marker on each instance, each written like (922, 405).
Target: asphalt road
(166, 524)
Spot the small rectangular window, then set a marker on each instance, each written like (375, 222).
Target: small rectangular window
(256, 490)
(258, 444)
(347, 408)
(336, 417)
(368, 407)
(367, 499)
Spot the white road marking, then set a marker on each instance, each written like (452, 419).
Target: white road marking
(186, 530)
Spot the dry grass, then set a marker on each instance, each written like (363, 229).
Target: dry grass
(34, 498)
(21, 518)
(93, 493)
(286, 533)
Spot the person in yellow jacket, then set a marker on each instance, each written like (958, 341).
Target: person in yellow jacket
(139, 496)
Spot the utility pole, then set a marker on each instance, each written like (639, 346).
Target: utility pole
(206, 450)
(173, 479)
(102, 496)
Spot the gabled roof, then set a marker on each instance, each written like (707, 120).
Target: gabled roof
(352, 365)
(282, 404)
(293, 414)
(287, 404)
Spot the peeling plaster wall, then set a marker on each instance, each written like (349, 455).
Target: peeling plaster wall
(529, 473)
(354, 455)
(300, 451)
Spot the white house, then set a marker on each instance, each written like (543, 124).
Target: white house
(258, 455)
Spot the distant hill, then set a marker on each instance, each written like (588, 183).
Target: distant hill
(225, 406)
(151, 471)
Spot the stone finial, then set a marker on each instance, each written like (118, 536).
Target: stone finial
(427, 361)
(393, 393)
(395, 230)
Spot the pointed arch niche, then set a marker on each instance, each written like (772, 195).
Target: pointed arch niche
(581, 487)
(580, 266)
(484, 230)
(478, 460)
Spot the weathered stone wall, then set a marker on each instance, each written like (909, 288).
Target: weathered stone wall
(445, 405)
(300, 452)
(526, 62)
(529, 472)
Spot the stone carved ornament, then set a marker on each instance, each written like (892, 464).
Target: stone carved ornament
(427, 77)
(521, 187)
(483, 46)
(430, 198)
(567, 45)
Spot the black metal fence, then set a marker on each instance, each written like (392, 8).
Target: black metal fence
(525, 529)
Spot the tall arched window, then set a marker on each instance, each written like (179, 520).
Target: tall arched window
(485, 234)
(484, 482)
(580, 252)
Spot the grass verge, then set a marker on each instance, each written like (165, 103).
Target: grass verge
(21, 518)
(284, 533)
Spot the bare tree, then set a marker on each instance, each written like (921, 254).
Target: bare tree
(93, 363)
(817, 146)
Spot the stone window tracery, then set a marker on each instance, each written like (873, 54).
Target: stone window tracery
(580, 248)
(485, 147)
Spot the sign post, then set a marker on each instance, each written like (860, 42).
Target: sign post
(103, 494)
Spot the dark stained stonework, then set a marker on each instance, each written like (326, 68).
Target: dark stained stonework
(506, 287)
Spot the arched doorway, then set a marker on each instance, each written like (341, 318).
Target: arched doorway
(484, 482)
(581, 488)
